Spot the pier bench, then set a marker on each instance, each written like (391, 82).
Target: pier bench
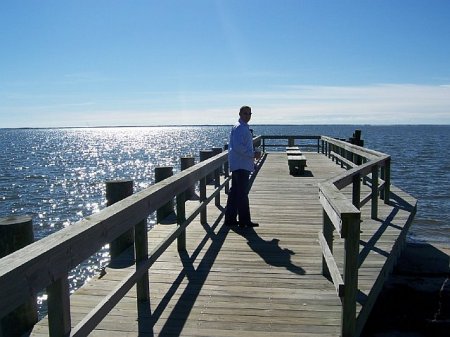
(297, 164)
(294, 153)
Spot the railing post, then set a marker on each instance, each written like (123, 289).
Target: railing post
(327, 229)
(16, 232)
(162, 173)
(264, 144)
(291, 141)
(202, 186)
(58, 302)
(181, 218)
(203, 214)
(356, 191)
(217, 173)
(351, 229)
(116, 191)
(323, 146)
(187, 162)
(226, 169)
(387, 180)
(374, 209)
(141, 251)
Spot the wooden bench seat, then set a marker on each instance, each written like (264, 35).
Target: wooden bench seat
(296, 164)
(292, 148)
(294, 153)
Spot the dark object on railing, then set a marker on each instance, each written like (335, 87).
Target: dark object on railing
(115, 191)
(161, 173)
(16, 232)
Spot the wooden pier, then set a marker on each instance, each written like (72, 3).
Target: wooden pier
(328, 239)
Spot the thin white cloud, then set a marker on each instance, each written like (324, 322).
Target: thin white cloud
(371, 104)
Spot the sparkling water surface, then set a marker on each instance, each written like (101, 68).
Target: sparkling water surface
(58, 175)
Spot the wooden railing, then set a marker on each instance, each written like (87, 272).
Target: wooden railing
(343, 215)
(301, 141)
(45, 264)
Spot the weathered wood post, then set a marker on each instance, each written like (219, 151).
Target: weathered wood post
(327, 230)
(356, 140)
(141, 252)
(203, 181)
(226, 169)
(16, 232)
(117, 190)
(187, 162)
(291, 141)
(351, 234)
(204, 155)
(58, 302)
(387, 180)
(217, 172)
(356, 191)
(216, 151)
(374, 196)
(162, 173)
(181, 218)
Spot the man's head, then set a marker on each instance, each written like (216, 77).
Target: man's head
(245, 113)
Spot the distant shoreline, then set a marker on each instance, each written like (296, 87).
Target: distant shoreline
(211, 125)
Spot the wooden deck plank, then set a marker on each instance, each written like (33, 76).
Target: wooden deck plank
(257, 282)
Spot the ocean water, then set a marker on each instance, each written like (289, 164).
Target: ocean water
(58, 175)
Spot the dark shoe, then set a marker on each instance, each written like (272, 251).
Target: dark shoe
(230, 223)
(249, 224)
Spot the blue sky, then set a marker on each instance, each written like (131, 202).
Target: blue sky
(97, 62)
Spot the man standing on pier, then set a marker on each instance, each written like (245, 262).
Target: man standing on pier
(241, 155)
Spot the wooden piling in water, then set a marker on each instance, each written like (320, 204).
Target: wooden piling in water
(204, 155)
(115, 191)
(161, 173)
(16, 232)
(187, 162)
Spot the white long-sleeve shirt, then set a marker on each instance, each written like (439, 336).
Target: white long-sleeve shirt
(240, 149)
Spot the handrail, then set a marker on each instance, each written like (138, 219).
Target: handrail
(344, 215)
(99, 229)
(290, 141)
(93, 318)
(46, 263)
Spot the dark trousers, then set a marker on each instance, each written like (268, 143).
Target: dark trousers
(237, 203)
